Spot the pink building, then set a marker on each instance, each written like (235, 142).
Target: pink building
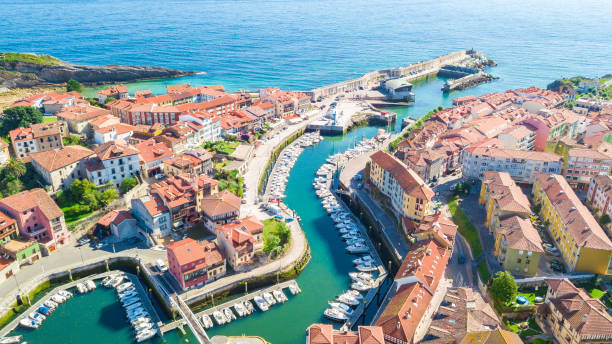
(600, 194)
(585, 163)
(194, 263)
(38, 217)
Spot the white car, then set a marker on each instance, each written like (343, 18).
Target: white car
(161, 265)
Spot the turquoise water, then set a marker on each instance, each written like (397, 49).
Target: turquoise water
(300, 45)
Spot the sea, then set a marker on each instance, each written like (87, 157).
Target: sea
(300, 45)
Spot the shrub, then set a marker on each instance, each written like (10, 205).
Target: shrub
(128, 184)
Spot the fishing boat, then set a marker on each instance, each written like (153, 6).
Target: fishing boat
(219, 317)
(207, 322)
(58, 298)
(91, 285)
(240, 310)
(107, 280)
(137, 316)
(279, 296)
(249, 306)
(143, 326)
(65, 293)
(261, 303)
(293, 289)
(356, 294)
(341, 307)
(335, 315)
(269, 299)
(117, 281)
(145, 335)
(28, 323)
(129, 295)
(229, 314)
(81, 288)
(11, 340)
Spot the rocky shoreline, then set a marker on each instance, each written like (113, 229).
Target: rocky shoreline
(27, 72)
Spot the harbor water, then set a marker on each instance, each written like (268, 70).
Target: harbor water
(297, 44)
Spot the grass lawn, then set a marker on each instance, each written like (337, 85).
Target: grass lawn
(466, 228)
(540, 341)
(224, 147)
(49, 119)
(483, 270)
(532, 328)
(74, 218)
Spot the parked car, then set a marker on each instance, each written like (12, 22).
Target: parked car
(84, 241)
(161, 266)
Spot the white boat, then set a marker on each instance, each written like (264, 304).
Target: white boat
(50, 304)
(135, 311)
(362, 260)
(269, 298)
(357, 249)
(81, 288)
(145, 335)
(124, 286)
(335, 315)
(360, 286)
(107, 280)
(279, 296)
(219, 317)
(229, 315)
(341, 307)
(261, 303)
(117, 281)
(133, 317)
(11, 340)
(28, 323)
(356, 294)
(293, 289)
(361, 276)
(127, 295)
(65, 293)
(347, 299)
(240, 310)
(249, 306)
(39, 318)
(207, 322)
(143, 326)
(366, 267)
(130, 301)
(140, 320)
(91, 285)
(58, 298)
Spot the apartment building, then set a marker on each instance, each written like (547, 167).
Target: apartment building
(114, 161)
(600, 194)
(501, 197)
(61, 167)
(407, 192)
(237, 243)
(521, 137)
(78, 116)
(152, 215)
(582, 242)
(193, 263)
(219, 209)
(207, 127)
(518, 246)
(38, 138)
(116, 92)
(521, 165)
(113, 132)
(152, 156)
(585, 163)
(326, 334)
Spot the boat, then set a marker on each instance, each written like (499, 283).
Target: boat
(360, 286)
(134, 305)
(44, 310)
(261, 303)
(145, 335)
(357, 249)
(143, 326)
(249, 306)
(219, 317)
(347, 299)
(341, 307)
(124, 286)
(11, 340)
(240, 310)
(128, 295)
(360, 276)
(65, 293)
(135, 311)
(137, 316)
(81, 288)
(366, 267)
(129, 292)
(279, 296)
(49, 304)
(130, 301)
(107, 280)
(207, 322)
(335, 315)
(140, 320)
(229, 314)
(269, 299)
(293, 289)
(28, 323)
(362, 260)
(91, 285)
(117, 281)
(58, 298)
(39, 318)
(356, 294)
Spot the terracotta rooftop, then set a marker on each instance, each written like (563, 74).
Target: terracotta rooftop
(57, 158)
(111, 91)
(222, 203)
(497, 336)
(81, 112)
(326, 334)
(154, 204)
(29, 199)
(520, 234)
(507, 194)
(151, 151)
(409, 181)
(513, 154)
(577, 219)
(188, 251)
(115, 150)
(426, 261)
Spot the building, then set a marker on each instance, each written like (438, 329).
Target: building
(188, 163)
(238, 122)
(116, 92)
(152, 156)
(38, 218)
(518, 246)
(554, 123)
(408, 193)
(120, 224)
(561, 146)
(77, 116)
(5, 155)
(178, 137)
(50, 103)
(101, 122)
(397, 89)
(61, 167)
(193, 263)
(521, 165)
(409, 297)
(462, 311)
(220, 209)
(152, 215)
(326, 334)
(583, 244)
(8, 228)
(207, 127)
(240, 240)
(501, 198)
(600, 194)
(113, 132)
(40, 137)
(22, 251)
(114, 161)
(437, 227)
(521, 137)
(585, 163)
(497, 336)
(573, 316)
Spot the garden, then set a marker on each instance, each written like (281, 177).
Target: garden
(276, 236)
(524, 328)
(223, 147)
(230, 181)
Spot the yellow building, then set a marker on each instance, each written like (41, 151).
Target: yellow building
(518, 246)
(408, 193)
(583, 244)
(502, 198)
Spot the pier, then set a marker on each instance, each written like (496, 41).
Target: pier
(466, 81)
(248, 297)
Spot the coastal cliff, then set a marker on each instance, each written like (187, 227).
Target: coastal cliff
(29, 70)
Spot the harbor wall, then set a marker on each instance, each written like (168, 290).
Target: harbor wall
(263, 179)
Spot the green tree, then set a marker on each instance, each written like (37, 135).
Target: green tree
(109, 196)
(109, 99)
(14, 169)
(271, 242)
(503, 288)
(128, 184)
(19, 116)
(604, 219)
(72, 140)
(73, 85)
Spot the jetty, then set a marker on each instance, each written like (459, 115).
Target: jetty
(467, 81)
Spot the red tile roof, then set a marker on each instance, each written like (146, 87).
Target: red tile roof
(410, 182)
(188, 251)
(57, 158)
(151, 151)
(35, 198)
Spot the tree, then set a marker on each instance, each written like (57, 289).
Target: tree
(20, 116)
(109, 196)
(503, 288)
(271, 242)
(109, 99)
(604, 219)
(14, 169)
(73, 85)
(128, 184)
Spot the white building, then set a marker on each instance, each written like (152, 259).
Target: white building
(207, 127)
(119, 131)
(520, 164)
(114, 162)
(61, 167)
(520, 137)
(152, 215)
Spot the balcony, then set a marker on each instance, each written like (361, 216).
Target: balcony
(36, 230)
